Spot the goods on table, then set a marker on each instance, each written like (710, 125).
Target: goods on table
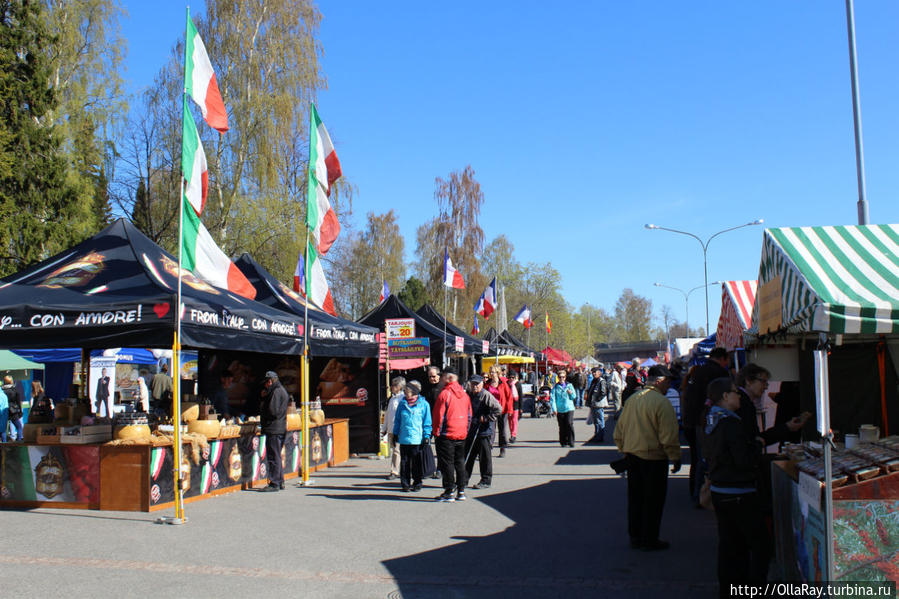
(209, 428)
(190, 410)
(132, 425)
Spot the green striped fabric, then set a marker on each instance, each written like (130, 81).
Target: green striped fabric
(841, 279)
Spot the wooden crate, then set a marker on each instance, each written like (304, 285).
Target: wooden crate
(46, 437)
(85, 434)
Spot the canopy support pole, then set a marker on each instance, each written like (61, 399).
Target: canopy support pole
(822, 393)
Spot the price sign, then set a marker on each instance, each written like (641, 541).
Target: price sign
(400, 328)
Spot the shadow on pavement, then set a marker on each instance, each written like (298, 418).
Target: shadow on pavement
(568, 539)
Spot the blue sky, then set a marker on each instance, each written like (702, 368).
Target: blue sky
(584, 121)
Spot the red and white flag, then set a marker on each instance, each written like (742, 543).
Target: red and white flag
(200, 83)
(524, 317)
(324, 169)
(451, 276)
(487, 302)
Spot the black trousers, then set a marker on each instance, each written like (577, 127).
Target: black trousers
(743, 547)
(566, 428)
(690, 436)
(410, 465)
(502, 429)
(480, 448)
(451, 463)
(647, 485)
(273, 444)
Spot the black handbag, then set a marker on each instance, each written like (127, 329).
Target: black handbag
(620, 465)
(428, 463)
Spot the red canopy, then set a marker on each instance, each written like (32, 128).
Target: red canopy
(557, 357)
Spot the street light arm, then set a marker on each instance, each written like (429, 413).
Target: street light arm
(684, 293)
(757, 222)
(650, 227)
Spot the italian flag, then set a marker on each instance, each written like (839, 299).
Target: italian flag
(199, 80)
(324, 169)
(317, 290)
(193, 163)
(202, 256)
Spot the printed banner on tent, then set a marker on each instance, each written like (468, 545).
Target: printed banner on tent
(414, 347)
(460, 344)
(399, 328)
(485, 346)
(770, 306)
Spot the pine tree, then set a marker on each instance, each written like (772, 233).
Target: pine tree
(36, 202)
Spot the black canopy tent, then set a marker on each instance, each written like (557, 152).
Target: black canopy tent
(507, 345)
(328, 335)
(119, 289)
(471, 345)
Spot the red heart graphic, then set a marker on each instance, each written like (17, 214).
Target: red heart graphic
(300, 330)
(161, 309)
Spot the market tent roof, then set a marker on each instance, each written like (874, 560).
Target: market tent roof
(702, 349)
(118, 288)
(684, 345)
(490, 360)
(11, 361)
(556, 357)
(328, 335)
(842, 279)
(393, 307)
(502, 346)
(737, 299)
(507, 337)
(472, 345)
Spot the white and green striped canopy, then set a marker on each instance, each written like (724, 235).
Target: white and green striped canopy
(841, 279)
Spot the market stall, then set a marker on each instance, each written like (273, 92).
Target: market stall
(118, 288)
(737, 299)
(343, 367)
(505, 352)
(827, 315)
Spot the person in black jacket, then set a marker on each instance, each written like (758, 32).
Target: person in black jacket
(485, 410)
(733, 457)
(273, 417)
(15, 405)
(693, 409)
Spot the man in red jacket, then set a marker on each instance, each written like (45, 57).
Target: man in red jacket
(452, 419)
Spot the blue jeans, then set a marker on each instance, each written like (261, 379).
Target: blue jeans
(17, 422)
(580, 398)
(599, 422)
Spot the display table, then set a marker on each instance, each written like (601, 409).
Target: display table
(141, 477)
(866, 531)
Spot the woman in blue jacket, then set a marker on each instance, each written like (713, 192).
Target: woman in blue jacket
(563, 398)
(412, 428)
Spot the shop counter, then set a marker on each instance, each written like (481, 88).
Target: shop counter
(141, 477)
(865, 526)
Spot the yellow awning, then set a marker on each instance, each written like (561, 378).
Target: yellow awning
(490, 360)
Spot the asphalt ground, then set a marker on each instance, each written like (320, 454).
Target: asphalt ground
(553, 524)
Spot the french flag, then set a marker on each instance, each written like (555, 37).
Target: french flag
(524, 317)
(487, 302)
(451, 276)
(385, 293)
(475, 330)
(299, 276)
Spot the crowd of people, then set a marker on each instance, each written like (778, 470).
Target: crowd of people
(715, 408)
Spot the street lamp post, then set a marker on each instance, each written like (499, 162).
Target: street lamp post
(686, 295)
(589, 343)
(705, 249)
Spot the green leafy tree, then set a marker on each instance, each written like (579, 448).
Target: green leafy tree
(267, 62)
(413, 293)
(456, 229)
(85, 60)
(39, 209)
(374, 256)
(633, 315)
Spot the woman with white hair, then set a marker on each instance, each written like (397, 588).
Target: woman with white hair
(397, 387)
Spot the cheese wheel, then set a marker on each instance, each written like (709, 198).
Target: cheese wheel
(132, 431)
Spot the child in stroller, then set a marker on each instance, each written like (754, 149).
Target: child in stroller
(543, 403)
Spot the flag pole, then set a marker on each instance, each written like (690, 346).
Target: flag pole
(307, 288)
(179, 517)
(444, 324)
